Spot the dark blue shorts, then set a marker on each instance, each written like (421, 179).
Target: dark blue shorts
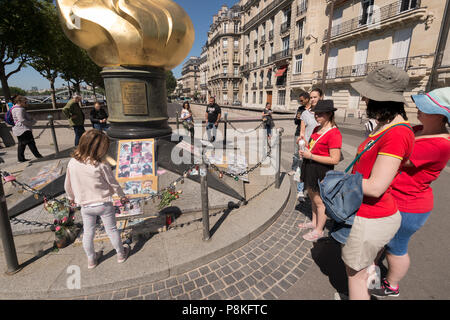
(411, 222)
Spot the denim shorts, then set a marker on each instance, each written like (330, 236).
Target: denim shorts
(411, 222)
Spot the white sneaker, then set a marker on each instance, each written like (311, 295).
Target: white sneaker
(300, 194)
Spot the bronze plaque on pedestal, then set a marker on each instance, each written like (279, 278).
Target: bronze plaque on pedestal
(134, 98)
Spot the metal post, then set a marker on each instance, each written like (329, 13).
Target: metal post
(205, 202)
(278, 173)
(178, 123)
(52, 127)
(7, 237)
(225, 130)
(327, 46)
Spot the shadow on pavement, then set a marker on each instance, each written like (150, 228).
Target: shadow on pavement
(326, 254)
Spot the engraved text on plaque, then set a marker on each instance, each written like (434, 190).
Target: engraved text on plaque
(134, 98)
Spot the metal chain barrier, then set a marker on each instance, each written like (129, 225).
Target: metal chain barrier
(242, 131)
(46, 126)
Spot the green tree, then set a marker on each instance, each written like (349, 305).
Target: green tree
(171, 83)
(47, 59)
(13, 91)
(19, 22)
(74, 62)
(93, 77)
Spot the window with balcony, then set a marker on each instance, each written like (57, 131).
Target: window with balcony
(236, 43)
(285, 41)
(260, 97)
(366, 12)
(225, 43)
(246, 97)
(236, 71)
(254, 97)
(407, 5)
(298, 63)
(281, 97)
(225, 27)
(236, 28)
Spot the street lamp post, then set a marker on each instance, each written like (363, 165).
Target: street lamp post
(327, 46)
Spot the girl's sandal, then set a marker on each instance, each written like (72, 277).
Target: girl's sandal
(307, 225)
(313, 236)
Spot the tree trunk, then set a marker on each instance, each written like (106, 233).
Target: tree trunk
(52, 86)
(4, 81)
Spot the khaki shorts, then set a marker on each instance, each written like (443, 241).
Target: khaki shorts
(367, 237)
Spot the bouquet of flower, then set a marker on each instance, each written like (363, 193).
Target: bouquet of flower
(63, 225)
(167, 197)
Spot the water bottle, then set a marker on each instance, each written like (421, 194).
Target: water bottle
(301, 146)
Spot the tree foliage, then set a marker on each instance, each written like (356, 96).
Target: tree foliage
(171, 83)
(19, 22)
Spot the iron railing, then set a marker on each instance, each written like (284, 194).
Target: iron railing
(302, 7)
(361, 70)
(265, 12)
(284, 54)
(373, 17)
(285, 26)
(299, 44)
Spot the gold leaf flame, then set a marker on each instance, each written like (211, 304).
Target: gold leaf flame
(155, 33)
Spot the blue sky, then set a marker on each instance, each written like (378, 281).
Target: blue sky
(201, 13)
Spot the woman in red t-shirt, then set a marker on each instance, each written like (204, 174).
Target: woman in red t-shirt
(377, 220)
(411, 188)
(323, 153)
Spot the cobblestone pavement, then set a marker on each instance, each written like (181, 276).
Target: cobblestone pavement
(262, 269)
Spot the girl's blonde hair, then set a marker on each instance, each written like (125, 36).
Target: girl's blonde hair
(93, 146)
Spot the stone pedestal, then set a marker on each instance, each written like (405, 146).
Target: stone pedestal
(137, 102)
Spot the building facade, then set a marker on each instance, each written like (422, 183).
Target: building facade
(224, 47)
(190, 78)
(369, 33)
(203, 66)
(271, 50)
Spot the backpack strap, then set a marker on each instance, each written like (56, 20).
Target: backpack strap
(371, 143)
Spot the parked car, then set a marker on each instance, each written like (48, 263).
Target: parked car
(236, 103)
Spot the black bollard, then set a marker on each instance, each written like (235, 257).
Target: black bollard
(225, 130)
(7, 237)
(278, 164)
(52, 127)
(205, 202)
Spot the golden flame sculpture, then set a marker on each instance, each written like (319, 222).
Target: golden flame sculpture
(156, 33)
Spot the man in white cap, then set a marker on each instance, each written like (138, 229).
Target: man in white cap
(75, 115)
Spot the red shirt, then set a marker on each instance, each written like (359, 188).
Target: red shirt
(398, 142)
(411, 188)
(331, 140)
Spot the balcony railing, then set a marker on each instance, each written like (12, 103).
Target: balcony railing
(247, 48)
(361, 70)
(265, 12)
(246, 87)
(244, 68)
(270, 35)
(225, 61)
(225, 75)
(255, 44)
(285, 54)
(299, 44)
(254, 86)
(263, 39)
(285, 27)
(261, 85)
(268, 85)
(261, 62)
(373, 18)
(302, 7)
(236, 61)
(254, 65)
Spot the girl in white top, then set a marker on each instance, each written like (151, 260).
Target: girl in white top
(90, 183)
